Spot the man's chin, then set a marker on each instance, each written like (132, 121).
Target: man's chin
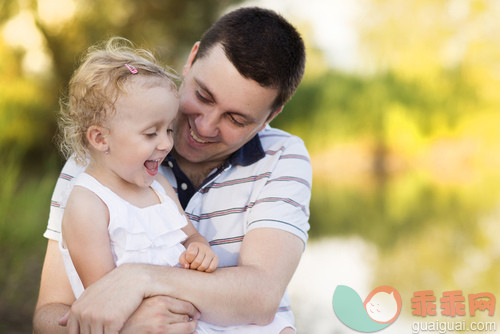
(190, 155)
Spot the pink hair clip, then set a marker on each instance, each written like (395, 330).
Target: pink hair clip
(131, 68)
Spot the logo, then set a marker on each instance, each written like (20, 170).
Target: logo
(380, 309)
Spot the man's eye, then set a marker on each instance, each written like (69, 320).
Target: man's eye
(235, 121)
(202, 98)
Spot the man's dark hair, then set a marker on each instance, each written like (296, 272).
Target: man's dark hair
(262, 46)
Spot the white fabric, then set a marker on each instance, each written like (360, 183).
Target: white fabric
(149, 235)
(138, 235)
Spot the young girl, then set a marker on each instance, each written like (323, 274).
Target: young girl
(118, 122)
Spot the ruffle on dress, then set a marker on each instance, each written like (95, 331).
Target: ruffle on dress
(141, 235)
(148, 235)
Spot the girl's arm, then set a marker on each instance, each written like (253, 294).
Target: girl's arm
(85, 235)
(198, 255)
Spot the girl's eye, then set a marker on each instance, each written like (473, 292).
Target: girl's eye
(170, 131)
(151, 135)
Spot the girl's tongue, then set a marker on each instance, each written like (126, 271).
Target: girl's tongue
(151, 167)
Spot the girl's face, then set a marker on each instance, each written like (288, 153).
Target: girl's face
(141, 131)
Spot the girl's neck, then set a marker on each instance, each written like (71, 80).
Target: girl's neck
(138, 196)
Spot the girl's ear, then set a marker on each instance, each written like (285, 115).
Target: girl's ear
(97, 137)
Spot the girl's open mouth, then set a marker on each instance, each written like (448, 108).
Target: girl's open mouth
(152, 166)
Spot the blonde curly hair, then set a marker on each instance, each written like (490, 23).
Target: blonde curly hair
(95, 86)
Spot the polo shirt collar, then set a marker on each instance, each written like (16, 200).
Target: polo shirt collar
(246, 155)
(249, 153)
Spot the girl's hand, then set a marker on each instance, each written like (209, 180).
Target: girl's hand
(199, 256)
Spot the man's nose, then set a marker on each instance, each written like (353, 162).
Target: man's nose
(207, 124)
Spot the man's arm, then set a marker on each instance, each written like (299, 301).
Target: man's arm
(248, 293)
(55, 296)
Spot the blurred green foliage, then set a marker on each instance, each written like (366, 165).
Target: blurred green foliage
(353, 105)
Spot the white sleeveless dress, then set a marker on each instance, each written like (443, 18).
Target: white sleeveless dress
(149, 235)
(138, 235)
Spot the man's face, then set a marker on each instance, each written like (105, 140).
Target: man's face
(220, 110)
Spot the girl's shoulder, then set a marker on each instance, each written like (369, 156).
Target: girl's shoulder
(84, 198)
(83, 207)
(169, 190)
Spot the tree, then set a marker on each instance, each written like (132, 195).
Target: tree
(63, 31)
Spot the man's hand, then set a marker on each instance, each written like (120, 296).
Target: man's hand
(159, 314)
(162, 314)
(105, 306)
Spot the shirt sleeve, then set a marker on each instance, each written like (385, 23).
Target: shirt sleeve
(283, 202)
(60, 196)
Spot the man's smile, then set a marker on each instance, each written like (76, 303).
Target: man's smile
(196, 138)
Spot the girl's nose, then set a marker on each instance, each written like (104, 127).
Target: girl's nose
(166, 142)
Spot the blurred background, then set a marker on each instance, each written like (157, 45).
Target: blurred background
(399, 108)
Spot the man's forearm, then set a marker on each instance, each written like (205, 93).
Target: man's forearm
(228, 296)
(55, 296)
(248, 293)
(45, 320)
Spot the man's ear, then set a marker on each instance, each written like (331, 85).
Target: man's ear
(272, 116)
(97, 137)
(191, 57)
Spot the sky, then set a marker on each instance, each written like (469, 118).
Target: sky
(332, 24)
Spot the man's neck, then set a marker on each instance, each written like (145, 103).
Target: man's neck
(196, 172)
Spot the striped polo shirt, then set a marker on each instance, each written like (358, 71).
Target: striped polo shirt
(265, 184)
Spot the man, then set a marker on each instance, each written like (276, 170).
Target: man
(245, 186)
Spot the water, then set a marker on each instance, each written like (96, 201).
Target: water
(330, 262)
(411, 231)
